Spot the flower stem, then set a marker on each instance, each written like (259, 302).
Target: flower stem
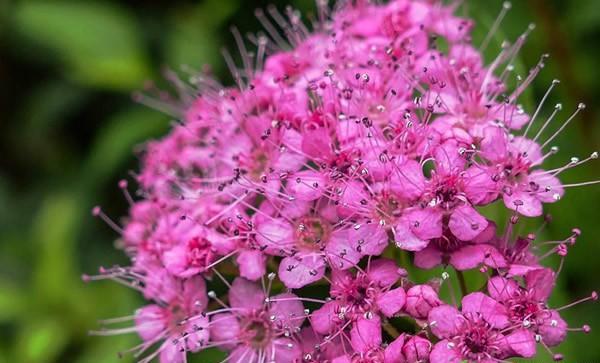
(390, 329)
(462, 283)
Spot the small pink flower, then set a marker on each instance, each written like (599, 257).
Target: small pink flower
(420, 299)
(476, 334)
(367, 292)
(258, 326)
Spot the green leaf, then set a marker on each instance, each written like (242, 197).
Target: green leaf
(54, 232)
(12, 301)
(194, 38)
(115, 142)
(41, 341)
(99, 43)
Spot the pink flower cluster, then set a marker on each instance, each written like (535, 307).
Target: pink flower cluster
(345, 158)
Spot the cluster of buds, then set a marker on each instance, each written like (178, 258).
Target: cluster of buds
(280, 219)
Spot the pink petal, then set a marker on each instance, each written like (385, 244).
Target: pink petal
(443, 352)
(286, 351)
(366, 334)
(502, 289)
(194, 289)
(527, 148)
(468, 257)
(175, 261)
(245, 294)
(523, 202)
(513, 116)
(287, 309)
(447, 158)
(368, 239)
(407, 180)
(420, 299)
(242, 354)
(300, 270)
(150, 321)
(492, 311)
(323, 319)
(393, 352)
(392, 301)
(350, 198)
(425, 223)
(428, 258)
(198, 334)
(541, 282)
(487, 235)
(306, 185)
(252, 263)
(417, 349)
(522, 342)
(406, 240)
(342, 359)
(316, 143)
(479, 185)
(445, 321)
(384, 271)
(494, 145)
(550, 189)
(172, 353)
(341, 252)
(224, 328)
(466, 223)
(494, 258)
(553, 329)
(276, 235)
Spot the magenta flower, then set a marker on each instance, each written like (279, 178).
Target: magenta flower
(527, 306)
(312, 241)
(462, 255)
(522, 188)
(349, 155)
(368, 292)
(447, 200)
(477, 332)
(258, 326)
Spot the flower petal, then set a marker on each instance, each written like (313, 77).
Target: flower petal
(466, 223)
(300, 270)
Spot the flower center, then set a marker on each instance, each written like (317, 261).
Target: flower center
(358, 295)
(311, 232)
(387, 209)
(523, 309)
(478, 341)
(374, 355)
(257, 331)
(199, 252)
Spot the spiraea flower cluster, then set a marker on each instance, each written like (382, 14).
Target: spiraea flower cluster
(283, 218)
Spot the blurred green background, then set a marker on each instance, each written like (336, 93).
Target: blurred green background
(68, 129)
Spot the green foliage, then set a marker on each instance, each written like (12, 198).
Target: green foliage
(99, 43)
(67, 132)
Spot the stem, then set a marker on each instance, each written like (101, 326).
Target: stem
(461, 282)
(390, 329)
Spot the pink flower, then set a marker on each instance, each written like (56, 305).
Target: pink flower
(179, 325)
(527, 306)
(462, 255)
(256, 326)
(476, 333)
(336, 140)
(420, 299)
(447, 200)
(312, 241)
(367, 292)
(197, 254)
(522, 188)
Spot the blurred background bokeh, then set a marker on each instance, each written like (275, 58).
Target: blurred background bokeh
(69, 129)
